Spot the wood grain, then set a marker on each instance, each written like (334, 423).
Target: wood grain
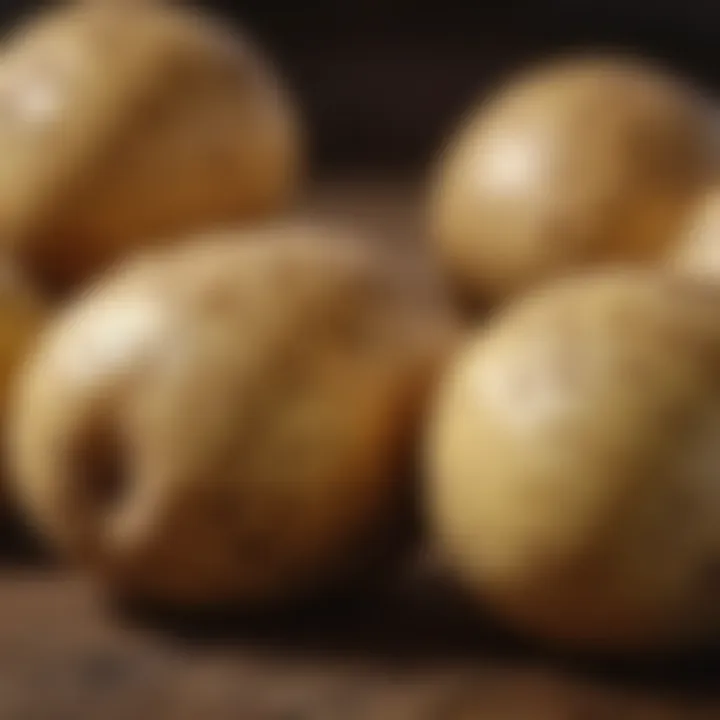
(64, 654)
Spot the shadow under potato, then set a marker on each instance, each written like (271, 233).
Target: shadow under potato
(409, 616)
(18, 544)
(416, 619)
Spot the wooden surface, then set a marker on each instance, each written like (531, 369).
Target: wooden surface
(409, 652)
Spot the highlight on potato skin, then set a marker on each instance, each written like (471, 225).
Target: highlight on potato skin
(572, 463)
(122, 125)
(578, 160)
(225, 422)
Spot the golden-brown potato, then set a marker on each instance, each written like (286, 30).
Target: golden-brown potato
(574, 463)
(225, 421)
(121, 123)
(580, 160)
(22, 314)
(698, 249)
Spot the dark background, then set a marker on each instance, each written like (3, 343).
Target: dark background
(381, 81)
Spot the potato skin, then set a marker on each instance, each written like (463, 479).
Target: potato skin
(579, 160)
(225, 422)
(23, 313)
(573, 480)
(124, 126)
(698, 248)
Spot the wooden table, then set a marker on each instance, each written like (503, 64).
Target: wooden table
(409, 652)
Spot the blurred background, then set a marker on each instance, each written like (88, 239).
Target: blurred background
(381, 81)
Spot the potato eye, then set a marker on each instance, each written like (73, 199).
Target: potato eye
(101, 470)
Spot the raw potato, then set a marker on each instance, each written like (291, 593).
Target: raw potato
(578, 161)
(121, 123)
(698, 250)
(225, 421)
(574, 463)
(22, 315)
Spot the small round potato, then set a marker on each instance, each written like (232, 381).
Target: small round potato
(574, 462)
(698, 250)
(226, 421)
(123, 124)
(578, 161)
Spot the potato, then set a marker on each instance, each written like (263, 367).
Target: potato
(225, 422)
(23, 312)
(119, 125)
(580, 160)
(573, 463)
(698, 250)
